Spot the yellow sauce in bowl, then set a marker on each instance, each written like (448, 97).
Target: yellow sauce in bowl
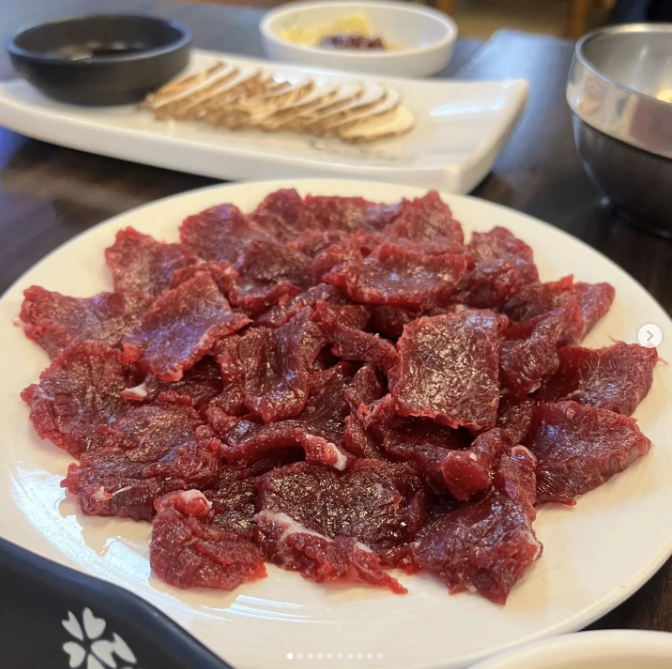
(355, 24)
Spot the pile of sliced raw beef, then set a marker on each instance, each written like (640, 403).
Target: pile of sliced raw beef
(337, 387)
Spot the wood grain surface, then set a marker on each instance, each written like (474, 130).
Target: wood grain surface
(49, 194)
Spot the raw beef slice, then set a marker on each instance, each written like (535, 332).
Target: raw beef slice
(283, 214)
(188, 550)
(426, 219)
(529, 353)
(468, 471)
(503, 266)
(399, 276)
(278, 315)
(353, 248)
(275, 368)
(267, 273)
(350, 341)
(448, 369)
(366, 387)
(579, 448)
(220, 270)
(180, 328)
(487, 544)
(489, 284)
(617, 377)
(199, 385)
(146, 432)
(138, 262)
(359, 441)
(332, 212)
(540, 298)
(150, 451)
(514, 416)
(313, 242)
(500, 243)
(220, 233)
(54, 320)
(318, 429)
(390, 321)
(594, 301)
(79, 392)
(234, 493)
(330, 527)
(446, 457)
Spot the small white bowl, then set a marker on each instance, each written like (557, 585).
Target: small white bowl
(610, 649)
(424, 37)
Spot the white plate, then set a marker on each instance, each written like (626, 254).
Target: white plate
(462, 128)
(606, 649)
(595, 554)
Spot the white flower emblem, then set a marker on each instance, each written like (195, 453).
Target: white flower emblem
(97, 652)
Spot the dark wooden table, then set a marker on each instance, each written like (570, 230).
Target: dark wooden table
(48, 194)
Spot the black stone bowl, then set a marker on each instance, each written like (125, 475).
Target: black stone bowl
(100, 60)
(636, 182)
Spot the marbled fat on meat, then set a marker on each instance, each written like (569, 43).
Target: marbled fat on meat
(188, 550)
(332, 527)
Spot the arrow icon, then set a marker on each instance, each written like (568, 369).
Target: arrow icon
(650, 335)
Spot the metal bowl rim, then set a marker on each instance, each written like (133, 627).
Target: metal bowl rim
(619, 30)
(182, 41)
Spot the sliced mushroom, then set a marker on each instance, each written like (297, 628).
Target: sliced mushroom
(182, 86)
(388, 104)
(372, 96)
(225, 97)
(290, 111)
(392, 124)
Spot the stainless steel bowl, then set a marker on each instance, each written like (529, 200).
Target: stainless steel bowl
(620, 91)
